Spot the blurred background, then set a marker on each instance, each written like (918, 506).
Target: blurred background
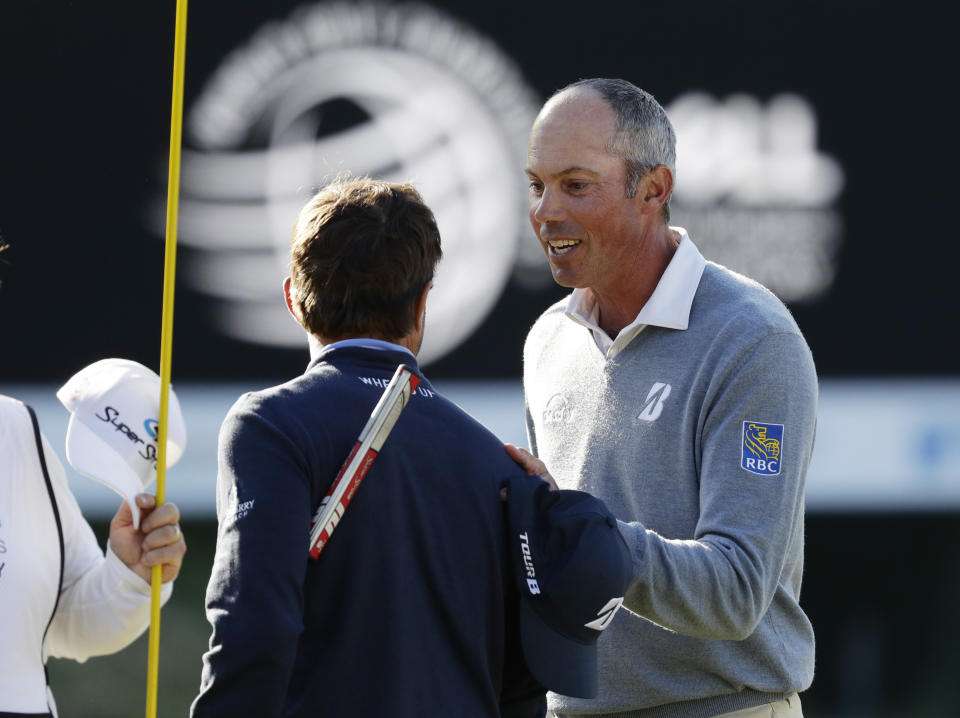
(817, 154)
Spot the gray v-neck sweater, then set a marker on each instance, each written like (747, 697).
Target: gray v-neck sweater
(699, 441)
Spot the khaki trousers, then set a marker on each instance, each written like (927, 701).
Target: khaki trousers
(789, 707)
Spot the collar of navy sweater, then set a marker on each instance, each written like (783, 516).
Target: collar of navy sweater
(375, 350)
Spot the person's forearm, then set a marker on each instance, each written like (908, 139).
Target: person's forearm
(103, 611)
(246, 672)
(708, 588)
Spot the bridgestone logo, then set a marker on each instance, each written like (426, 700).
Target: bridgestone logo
(653, 406)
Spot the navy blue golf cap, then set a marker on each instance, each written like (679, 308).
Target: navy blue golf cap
(572, 568)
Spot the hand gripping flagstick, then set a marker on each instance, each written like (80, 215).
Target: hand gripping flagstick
(385, 414)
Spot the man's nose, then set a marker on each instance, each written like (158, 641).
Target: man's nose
(547, 207)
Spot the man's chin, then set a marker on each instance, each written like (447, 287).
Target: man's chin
(566, 277)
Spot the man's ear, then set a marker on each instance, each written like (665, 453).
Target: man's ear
(655, 188)
(420, 316)
(288, 299)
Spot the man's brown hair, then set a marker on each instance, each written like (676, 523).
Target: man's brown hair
(361, 253)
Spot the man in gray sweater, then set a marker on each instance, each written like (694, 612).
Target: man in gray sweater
(684, 396)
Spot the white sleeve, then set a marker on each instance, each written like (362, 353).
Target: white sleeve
(104, 606)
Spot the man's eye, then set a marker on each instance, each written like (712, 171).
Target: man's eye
(536, 187)
(577, 186)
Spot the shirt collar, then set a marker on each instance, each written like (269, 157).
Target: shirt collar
(669, 305)
(366, 343)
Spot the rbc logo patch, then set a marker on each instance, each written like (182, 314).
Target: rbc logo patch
(761, 447)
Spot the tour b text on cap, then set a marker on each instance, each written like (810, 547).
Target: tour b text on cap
(572, 568)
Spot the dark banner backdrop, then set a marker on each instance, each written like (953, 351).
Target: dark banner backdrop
(84, 130)
(817, 153)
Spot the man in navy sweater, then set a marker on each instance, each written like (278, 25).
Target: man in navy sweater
(412, 609)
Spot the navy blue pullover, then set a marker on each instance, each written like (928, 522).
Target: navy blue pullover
(411, 608)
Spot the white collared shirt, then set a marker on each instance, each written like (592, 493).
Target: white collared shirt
(668, 306)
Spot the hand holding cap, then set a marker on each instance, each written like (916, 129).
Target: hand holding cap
(572, 568)
(112, 435)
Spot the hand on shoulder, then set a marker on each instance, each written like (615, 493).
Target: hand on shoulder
(530, 463)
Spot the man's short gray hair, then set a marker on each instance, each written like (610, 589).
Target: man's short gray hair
(644, 137)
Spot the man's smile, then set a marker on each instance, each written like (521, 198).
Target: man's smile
(560, 247)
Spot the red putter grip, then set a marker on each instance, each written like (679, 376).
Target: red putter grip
(354, 482)
(325, 534)
(355, 468)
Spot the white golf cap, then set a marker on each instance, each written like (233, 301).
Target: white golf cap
(112, 436)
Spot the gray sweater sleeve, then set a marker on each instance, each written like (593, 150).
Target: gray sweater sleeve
(720, 583)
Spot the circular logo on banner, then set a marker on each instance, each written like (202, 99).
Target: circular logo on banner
(401, 93)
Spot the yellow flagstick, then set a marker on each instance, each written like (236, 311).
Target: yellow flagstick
(166, 333)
